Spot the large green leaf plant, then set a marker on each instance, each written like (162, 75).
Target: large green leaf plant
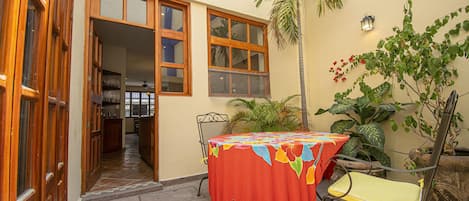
(265, 116)
(363, 118)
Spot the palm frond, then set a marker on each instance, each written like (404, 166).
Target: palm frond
(322, 5)
(283, 22)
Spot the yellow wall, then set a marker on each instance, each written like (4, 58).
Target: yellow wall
(337, 35)
(179, 149)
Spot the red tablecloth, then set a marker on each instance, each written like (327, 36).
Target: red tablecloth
(281, 166)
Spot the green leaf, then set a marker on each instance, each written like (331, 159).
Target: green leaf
(340, 108)
(352, 147)
(341, 126)
(465, 25)
(382, 89)
(380, 156)
(410, 122)
(394, 126)
(373, 133)
(321, 111)
(297, 165)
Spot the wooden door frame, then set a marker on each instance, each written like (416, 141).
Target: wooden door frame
(86, 97)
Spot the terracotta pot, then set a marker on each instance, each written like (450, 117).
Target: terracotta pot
(357, 167)
(452, 177)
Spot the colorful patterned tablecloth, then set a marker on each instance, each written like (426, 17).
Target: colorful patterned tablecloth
(280, 166)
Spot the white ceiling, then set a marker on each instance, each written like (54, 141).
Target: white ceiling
(139, 43)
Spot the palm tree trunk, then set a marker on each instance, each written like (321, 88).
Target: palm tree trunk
(304, 110)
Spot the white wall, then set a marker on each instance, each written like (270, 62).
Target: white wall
(76, 101)
(179, 150)
(337, 35)
(115, 60)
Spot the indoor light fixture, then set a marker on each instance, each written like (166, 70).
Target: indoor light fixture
(367, 23)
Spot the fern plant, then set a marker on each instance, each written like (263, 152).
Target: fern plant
(266, 116)
(365, 114)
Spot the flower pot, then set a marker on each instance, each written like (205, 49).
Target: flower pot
(452, 177)
(357, 167)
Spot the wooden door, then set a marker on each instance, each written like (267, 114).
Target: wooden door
(94, 138)
(56, 102)
(28, 90)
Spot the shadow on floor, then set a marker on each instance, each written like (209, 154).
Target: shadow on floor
(124, 167)
(188, 192)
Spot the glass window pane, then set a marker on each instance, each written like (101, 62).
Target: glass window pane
(257, 35)
(145, 98)
(127, 97)
(258, 86)
(137, 11)
(171, 18)
(172, 50)
(152, 95)
(219, 83)
(172, 79)
(239, 84)
(135, 96)
(219, 56)
(239, 58)
(257, 61)
(135, 110)
(218, 26)
(112, 8)
(127, 110)
(238, 31)
(25, 146)
(30, 45)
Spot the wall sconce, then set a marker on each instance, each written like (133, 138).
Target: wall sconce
(367, 23)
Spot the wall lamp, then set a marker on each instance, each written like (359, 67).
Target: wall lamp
(367, 23)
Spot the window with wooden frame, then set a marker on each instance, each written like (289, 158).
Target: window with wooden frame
(173, 45)
(237, 56)
(132, 12)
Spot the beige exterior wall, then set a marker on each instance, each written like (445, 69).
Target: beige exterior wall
(76, 101)
(179, 150)
(337, 35)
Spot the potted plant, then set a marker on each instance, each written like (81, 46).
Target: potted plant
(266, 116)
(424, 68)
(363, 118)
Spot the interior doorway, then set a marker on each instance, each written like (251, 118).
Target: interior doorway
(121, 144)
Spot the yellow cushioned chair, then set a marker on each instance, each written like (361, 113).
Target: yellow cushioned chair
(355, 186)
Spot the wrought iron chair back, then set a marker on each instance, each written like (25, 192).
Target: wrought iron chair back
(444, 126)
(440, 141)
(210, 125)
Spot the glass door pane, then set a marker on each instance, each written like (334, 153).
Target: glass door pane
(25, 146)
(30, 46)
(137, 11)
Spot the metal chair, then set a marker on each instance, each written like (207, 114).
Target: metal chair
(366, 187)
(209, 125)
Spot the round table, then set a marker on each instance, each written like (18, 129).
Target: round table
(269, 166)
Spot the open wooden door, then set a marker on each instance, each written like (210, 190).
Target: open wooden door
(93, 139)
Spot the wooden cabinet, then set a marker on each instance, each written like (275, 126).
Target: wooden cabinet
(112, 135)
(146, 139)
